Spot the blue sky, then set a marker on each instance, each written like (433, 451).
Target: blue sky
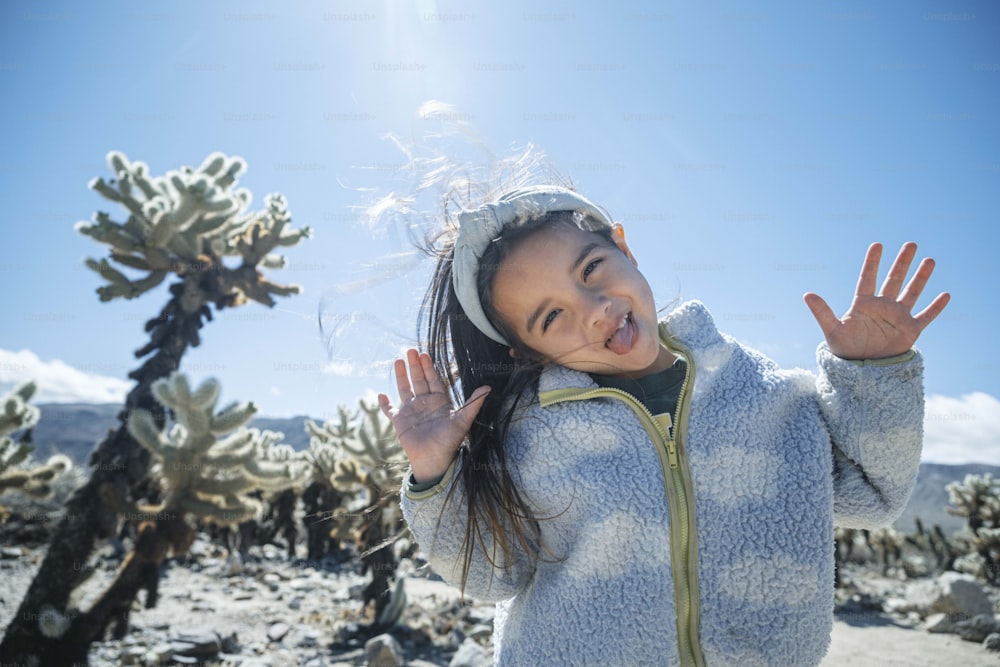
(752, 153)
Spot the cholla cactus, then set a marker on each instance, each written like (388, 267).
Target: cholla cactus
(202, 475)
(327, 442)
(888, 546)
(368, 464)
(934, 541)
(185, 222)
(327, 524)
(377, 448)
(977, 498)
(18, 415)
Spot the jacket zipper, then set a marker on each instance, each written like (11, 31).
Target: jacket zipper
(680, 494)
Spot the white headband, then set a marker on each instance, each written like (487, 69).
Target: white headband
(481, 226)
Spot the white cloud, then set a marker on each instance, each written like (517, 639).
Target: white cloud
(962, 430)
(57, 381)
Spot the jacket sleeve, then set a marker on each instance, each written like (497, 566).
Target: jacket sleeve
(442, 544)
(874, 411)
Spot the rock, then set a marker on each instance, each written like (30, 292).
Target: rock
(384, 651)
(132, 655)
(915, 567)
(272, 581)
(295, 603)
(310, 638)
(196, 644)
(897, 606)
(976, 629)
(951, 593)
(992, 642)
(471, 654)
(302, 584)
(481, 614)
(159, 654)
(186, 660)
(277, 631)
(456, 637)
(11, 552)
(230, 643)
(481, 631)
(940, 623)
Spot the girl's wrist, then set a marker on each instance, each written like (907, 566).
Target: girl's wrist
(424, 474)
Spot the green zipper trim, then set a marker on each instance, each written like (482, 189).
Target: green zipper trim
(679, 489)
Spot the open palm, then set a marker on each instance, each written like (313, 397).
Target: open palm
(430, 431)
(877, 326)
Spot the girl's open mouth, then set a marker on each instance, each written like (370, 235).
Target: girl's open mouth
(621, 341)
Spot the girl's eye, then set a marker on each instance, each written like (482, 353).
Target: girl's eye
(590, 267)
(548, 320)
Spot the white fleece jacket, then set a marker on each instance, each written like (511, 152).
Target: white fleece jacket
(775, 459)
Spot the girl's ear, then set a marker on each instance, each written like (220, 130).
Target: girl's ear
(618, 236)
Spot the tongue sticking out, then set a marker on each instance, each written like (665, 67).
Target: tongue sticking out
(621, 342)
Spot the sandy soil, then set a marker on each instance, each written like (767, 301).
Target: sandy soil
(879, 641)
(317, 603)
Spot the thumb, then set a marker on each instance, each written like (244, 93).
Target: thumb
(821, 311)
(467, 414)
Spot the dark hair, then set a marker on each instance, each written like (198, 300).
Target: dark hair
(465, 358)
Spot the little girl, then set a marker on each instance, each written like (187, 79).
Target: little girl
(639, 492)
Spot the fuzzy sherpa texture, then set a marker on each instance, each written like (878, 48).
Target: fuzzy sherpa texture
(777, 457)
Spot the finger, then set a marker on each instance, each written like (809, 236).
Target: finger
(917, 283)
(386, 406)
(927, 315)
(821, 311)
(420, 385)
(897, 272)
(869, 271)
(468, 413)
(433, 381)
(402, 381)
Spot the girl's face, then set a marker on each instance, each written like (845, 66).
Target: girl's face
(580, 302)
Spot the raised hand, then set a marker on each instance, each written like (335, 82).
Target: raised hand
(880, 325)
(429, 430)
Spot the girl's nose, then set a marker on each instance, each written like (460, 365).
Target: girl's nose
(599, 309)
